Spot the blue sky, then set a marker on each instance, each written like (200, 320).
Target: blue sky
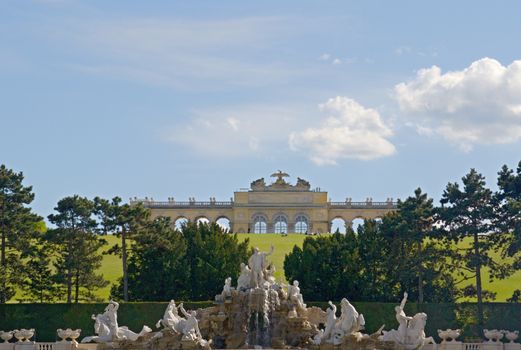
(197, 99)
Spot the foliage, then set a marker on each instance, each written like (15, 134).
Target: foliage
(469, 212)
(326, 267)
(516, 297)
(76, 247)
(192, 263)
(40, 282)
(156, 268)
(123, 220)
(18, 225)
(509, 205)
(416, 258)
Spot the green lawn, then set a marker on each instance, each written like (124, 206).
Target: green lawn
(111, 268)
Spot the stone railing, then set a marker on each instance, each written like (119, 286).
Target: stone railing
(363, 205)
(182, 204)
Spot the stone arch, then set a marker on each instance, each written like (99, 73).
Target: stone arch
(357, 221)
(202, 219)
(280, 223)
(224, 222)
(302, 223)
(338, 223)
(180, 221)
(259, 223)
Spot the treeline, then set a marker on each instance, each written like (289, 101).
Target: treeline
(435, 253)
(438, 253)
(62, 263)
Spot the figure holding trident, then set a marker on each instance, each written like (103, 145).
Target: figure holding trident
(258, 264)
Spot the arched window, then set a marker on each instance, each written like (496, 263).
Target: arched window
(203, 220)
(259, 224)
(301, 224)
(338, 225)
(224, 223)
(180, 222)
(280, 224)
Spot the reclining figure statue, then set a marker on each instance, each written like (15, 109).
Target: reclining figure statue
(107, 329)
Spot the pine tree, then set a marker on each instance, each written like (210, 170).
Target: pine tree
(40, 282)
(18, 226)
(124, 221)
(76, 247)
(509, 218)
(468, 212)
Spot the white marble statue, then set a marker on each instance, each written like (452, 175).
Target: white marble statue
(411, 330)
(244, 280)
(270, 275)
(330, 322)
(350, 320)
(107, 329)
(258, 264)
(171, 318)
(191, 327)
(227, 288)
(295, 296)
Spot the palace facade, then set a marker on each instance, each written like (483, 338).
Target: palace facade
(278, 207)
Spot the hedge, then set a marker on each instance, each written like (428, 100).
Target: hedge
(46, 318)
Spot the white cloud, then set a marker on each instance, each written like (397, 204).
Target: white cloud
(352, 131)
(337, 61)
(234, 123)
(253, 130)
(480, 104)
(324, 57)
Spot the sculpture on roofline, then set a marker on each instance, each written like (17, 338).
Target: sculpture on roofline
(301, 183)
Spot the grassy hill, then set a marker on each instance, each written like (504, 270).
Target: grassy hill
(111, 268)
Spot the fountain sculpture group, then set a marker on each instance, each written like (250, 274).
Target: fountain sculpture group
(261, 313)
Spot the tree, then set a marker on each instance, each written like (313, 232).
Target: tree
(328, 267)
(189, 264)
(417, 258)
(157, 269)
(76, 247)
(211, 257)
(509, 216)
(469, 213)
(40, 281)
(17, 227)
(123, 220)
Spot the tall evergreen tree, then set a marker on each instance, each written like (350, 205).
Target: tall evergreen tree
(17, 227)
(509, 218)
(327, 267)
(40, 282)
(157, 268)
(468, 213)
(125, 221)
(417, 259)
(77, 247)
